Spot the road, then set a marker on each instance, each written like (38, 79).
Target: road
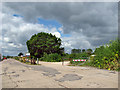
(53, 75)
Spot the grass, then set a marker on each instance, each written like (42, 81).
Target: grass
(28, 63)
(87, 64)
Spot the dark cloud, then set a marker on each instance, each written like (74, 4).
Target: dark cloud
(96, 21)
(72, 16)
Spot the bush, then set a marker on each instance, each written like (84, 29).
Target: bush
(23, 60)
(51, 57)
(78, 55)
(107, 56)
(16, 58)
(9, 57)
(65, 57)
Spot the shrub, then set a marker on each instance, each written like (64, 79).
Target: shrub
(23, 59)
(107, 56)
(51, 57)
(16, 58)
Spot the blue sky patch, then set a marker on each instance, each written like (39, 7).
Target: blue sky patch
(66, 35)
(52, 23)
(16, 15)
(49, 23)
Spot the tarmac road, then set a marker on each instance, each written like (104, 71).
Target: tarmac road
(53, 75)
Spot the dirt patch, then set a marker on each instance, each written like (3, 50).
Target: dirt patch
(48, 70)
(22, 70)
(16, 75)
(70, 77)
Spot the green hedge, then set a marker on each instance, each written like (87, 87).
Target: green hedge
(51, 57)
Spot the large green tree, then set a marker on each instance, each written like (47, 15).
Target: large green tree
(20, 54)
(44, 43)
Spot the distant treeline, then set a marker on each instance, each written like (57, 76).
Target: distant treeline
(89, 51)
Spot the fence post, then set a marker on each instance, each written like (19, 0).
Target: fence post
(62, 61)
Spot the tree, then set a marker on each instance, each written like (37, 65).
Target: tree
(83, 50)
(73, 51)
(89, 51)
(44, 43)
(79, 50)
(20, 54)
(76, 51)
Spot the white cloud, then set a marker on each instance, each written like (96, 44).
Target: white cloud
(67, 44)
(1, 38)
(12, 45)
(16, 32)
(61, 29)
(16, 19)
(57, 34)
(6, 39)
(4, 47)
(77, 40)
(82, 21)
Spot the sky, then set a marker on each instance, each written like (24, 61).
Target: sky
(80, 25)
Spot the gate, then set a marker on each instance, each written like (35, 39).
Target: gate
(83, 59)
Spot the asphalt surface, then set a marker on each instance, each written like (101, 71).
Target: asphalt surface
(53, 75)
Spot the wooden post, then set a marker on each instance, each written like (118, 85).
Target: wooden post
(62, 61)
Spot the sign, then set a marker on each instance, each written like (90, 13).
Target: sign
(79, 60)
(27, 54)
(93, 55)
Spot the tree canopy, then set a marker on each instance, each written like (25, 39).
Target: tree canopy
(83, 50)
(44, 43)
(89, 51)
(20, 54)
(76, 51)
